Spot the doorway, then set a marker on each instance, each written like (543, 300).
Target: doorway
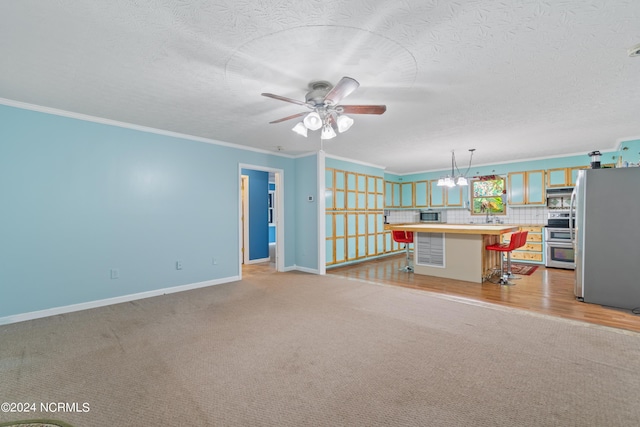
(261, 220)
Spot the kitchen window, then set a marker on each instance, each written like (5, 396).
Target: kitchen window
(488, 195)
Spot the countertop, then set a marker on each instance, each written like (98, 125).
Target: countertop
(495, 229)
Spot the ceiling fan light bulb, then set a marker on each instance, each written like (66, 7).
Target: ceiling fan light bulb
(344, 123)
(300, 129)
(313, 121)
(328, 133)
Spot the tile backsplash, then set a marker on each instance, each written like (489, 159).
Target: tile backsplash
(403, 216)
(524, 215)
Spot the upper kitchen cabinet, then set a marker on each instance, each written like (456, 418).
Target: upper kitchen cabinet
(563, 177)
(406, 195)
(573, 174)
(526, 188)
(437, 198)
(375, 192)
(445, 197)
(392, 194)
(455, 197)
(558, 177)
(421, 189)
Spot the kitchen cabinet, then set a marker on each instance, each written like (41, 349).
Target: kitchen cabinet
(533, 250)
(336, 238)
(351, 193)
(526, 188)
(355, 235)
(329, 189)
(406, 195)
(445, 197)
(436, 195)
(392, 194)
(573, 174)
(563, 177)
(558, 177)
(375, 193)
(354, 205)
(455, 197)
(421, 191)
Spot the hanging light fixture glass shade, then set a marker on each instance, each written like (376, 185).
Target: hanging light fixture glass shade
(451, 180)
(344, 123)
(328, 132)
(313, 121)
(300, 129)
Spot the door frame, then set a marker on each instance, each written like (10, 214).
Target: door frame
(278, 213)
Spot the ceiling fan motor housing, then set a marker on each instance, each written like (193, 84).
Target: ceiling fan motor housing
(317, 92)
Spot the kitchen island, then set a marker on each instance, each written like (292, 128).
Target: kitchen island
(455, 251)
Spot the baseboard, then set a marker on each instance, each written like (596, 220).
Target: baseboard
(258, 261)
(305, 269)
(15, 318)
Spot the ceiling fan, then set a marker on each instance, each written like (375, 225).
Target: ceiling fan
(324, 100)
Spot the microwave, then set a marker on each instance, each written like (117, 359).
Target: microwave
(433, 216)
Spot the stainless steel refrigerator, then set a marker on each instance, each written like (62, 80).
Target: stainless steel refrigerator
(607, 236)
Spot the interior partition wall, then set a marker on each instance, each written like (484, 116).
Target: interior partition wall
(97, 212)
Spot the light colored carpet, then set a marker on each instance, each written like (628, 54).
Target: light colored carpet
(292, 349)
(36, 423)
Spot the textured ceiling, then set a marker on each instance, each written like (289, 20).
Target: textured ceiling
(514, 79)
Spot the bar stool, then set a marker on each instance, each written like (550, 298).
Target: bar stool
(502, 248)
(405, 237)
(522, 240)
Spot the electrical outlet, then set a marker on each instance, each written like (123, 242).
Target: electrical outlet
(215, 261)
(115, 273)
(178, 265)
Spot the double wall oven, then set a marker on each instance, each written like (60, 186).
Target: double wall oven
(559, 240)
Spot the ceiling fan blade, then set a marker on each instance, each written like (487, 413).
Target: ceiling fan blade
(345, 86)
(289, 117)
(363, 109)
(283, 98)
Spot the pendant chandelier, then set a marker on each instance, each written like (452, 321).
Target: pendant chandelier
(453, 179)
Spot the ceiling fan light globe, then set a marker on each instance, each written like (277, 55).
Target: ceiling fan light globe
(313, 121)
(328, 133)
(344, 123)
(300, 129)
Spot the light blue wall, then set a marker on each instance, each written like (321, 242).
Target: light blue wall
(307, 212)
(258, 213)
(80, 198)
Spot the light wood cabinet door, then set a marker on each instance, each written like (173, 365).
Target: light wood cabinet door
(422, 194)
(558, 177)
(406, 195)
(436, 195)
(526, 188)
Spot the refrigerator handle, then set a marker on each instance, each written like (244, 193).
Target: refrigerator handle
(572, 216)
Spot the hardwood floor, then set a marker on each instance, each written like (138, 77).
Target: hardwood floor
(547, 290)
